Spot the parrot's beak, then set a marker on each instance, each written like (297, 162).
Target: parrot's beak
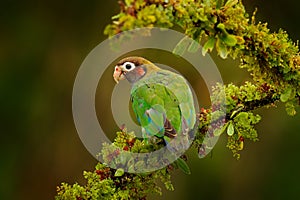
(118, 74)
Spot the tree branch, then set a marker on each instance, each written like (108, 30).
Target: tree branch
(272, 59)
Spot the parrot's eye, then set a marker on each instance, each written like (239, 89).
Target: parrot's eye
(129, 66)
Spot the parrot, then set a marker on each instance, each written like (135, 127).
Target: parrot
(162, 101)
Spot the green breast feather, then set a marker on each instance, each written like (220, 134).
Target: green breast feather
(161, 96)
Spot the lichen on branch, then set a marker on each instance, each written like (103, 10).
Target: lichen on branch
(271, 58)
(114, 184)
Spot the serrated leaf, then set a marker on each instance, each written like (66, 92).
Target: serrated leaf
(194, 46)
(221, 49)
(209, 45)
(284, 97)
(221, 130)
(119, 172)
(182, 46)
(183, 166)
(230, 129)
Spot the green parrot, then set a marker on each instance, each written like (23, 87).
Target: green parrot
(161, 100)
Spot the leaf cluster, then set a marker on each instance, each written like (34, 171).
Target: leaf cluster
(108, 183)
(271, 58)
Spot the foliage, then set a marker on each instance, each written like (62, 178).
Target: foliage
(108, 183)
(272, 59)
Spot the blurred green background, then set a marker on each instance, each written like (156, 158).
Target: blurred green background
(42, 44)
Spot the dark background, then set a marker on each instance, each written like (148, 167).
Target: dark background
(42, 45)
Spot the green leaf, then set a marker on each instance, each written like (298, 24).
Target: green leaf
(243, 115)
(230, 129)
(284, 97)
(229, 40)
(119, 172)
(183, 166)
(182, 46)
(221, 130)
(221, 27)
(221, 49)
(116, 16)
(209, 45)
(231, 3)
(290, 108)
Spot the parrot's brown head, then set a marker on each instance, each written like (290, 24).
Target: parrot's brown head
(133, 69)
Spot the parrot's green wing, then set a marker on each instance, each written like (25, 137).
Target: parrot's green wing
(148, 106)
(163, 104)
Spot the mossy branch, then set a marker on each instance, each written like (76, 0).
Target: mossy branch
(272, 59)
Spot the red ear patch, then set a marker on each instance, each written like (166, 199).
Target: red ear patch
(140, 71)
